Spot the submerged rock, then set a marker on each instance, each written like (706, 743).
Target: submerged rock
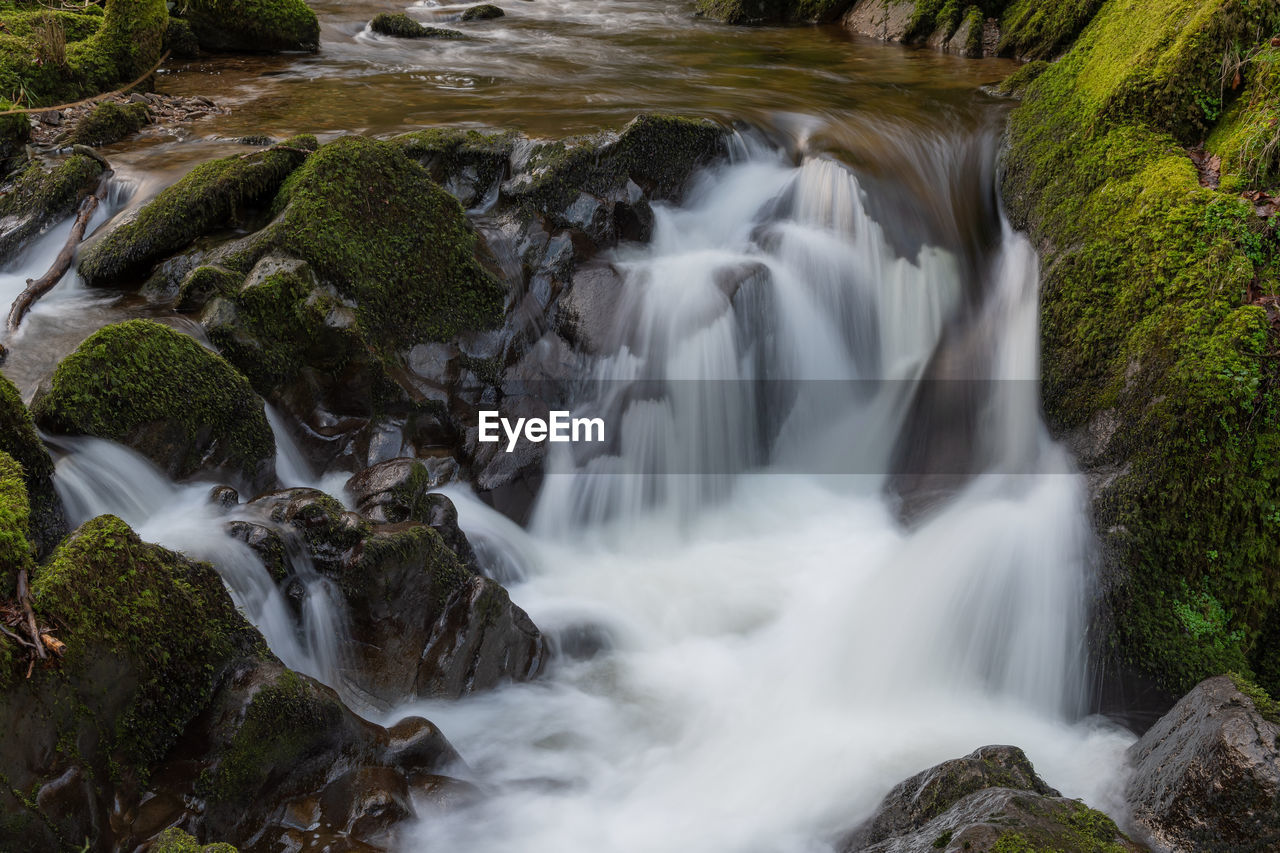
(47, 522)
(253, 26)
(990, 800)
(109, 122)
(1207, 775)
(400, 25)
(183, 407)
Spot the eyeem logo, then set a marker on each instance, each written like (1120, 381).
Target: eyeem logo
(561, 427)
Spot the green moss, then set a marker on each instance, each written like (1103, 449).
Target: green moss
(416, 546)
(483, 12)
(168, 621)
(745, 11)
(205, 282)
(19, 440)
(252, 26)
(38, 197)
(1016, 83)
(176, 841)
(213, 195)
(109, 122)
(1248, 137)
(446, 152)
(286, 720)
(180, 41)
(373, 225)
(1269, 708)
(400, 25)
(15, 524)
(1040, 29)
(127, 378)
(1147, 315)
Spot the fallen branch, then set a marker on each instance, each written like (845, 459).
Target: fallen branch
(94, 99)
(40, 286)
(24, 598)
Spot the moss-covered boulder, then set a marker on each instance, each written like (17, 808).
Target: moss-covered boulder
(468, 163)
(483, 12)
(213, 195)
(176, 841)
(109, 122)
(990, 800)
(400, 25)
(180, 40)
(15, 524)
(158, 391)
(47, 522)
(252, 26)
(1158, 355)
(37, 197)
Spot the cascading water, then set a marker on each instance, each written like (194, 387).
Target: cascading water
(783, 648)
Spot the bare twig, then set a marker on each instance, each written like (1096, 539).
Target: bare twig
(24, 598)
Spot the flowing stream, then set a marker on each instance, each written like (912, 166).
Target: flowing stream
(830, 542)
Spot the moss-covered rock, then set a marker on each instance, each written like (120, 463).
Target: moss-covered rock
(204, 283)
(47, 522)
(400, 25)
(1040, 29)
(15, 524)
(176, 841)
(252, 26)
(213, 195)
(1156, 360)
(109, 122)
(483, 12)
(467, 163)
(180, 40)
(160, 392)
(37, 197)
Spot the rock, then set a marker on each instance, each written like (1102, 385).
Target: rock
(1207, 775)
(253, 26)
(469, 164)
(212, 195)
(394, 491)
(47, 522)
(224, 497)
(203, 283)
(37, 198)
(483, 12)
(109, 122)
(990, 800)
(180, 40)
(158, 391)
(400, 25)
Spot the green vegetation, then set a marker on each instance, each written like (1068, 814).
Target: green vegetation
(19, 440)
(38, 197)
(1151, 316)
(141, 383)
(15, 524)
(1269, 708)
(109, 122)
(1041, 29)
(402, 26)
(1248, 136)
(251, 26)
(166, 621)
(177, 841)
(213, 195)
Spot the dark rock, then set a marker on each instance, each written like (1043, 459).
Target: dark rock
(175, 402)
(400, 25)
(1207, 775)
(989, 800)
(483, 12)
(224, 497)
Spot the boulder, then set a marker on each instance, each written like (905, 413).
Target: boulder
(253, 26)
(212, 195)
(1206, 777)
(400, 25)
(483, 12)
(47, 522)
(991, 800)
(109, 122)
(38, 197)
(467, 163)
(183, 407)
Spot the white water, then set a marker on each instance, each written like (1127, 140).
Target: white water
(784, 649)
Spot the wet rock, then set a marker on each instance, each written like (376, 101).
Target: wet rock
(37, 197)
(253, 26)
(203, 283)
(1207, 775)
(483, 12)
(224, 497)
(395, 491)
(328, 530)
(588, 314)
(47, 522)
(211, 196)
(267, 543)
(989, 800)
(109, 122)
(183, 407)
(469, 164)
(400, 25)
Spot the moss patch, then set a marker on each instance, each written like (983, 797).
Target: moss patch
(1248, 137)
(483, 12)
(109, 122)
(252, 26)
(1148, 315)
(176, 841)
(141, 383)
(1040, 29)
(400, 25)
(38, 196)
(15, 521)
(18, 439)
(212, 195)
(1269, 708)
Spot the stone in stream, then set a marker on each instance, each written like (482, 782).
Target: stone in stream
(483, 12)
(400, 25)
(109, 122)
(1207, 775)
(990, 800)
(158, 391)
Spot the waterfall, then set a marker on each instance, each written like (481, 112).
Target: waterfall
(789, 626)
